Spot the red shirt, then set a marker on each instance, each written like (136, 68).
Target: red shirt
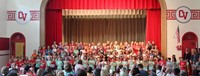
(58, 50)
(53, 64)
(162, 62)
(8, 64)
(43, 66)
(71, 61)
(32, 61)
(21, 63)
(182, 65)
(17, 63)
(30, 73)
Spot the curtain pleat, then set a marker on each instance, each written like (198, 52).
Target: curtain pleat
(153, 27)
(54, 29)
(104, 29)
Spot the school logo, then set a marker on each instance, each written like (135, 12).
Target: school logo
(183, 14)
(23, 16)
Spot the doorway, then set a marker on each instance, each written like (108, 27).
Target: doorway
(189, 41)
(18, 44)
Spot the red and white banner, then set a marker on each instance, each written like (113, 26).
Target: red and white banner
(195, 14)
(34, 15)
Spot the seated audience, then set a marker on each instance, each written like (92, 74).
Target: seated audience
(102, 59)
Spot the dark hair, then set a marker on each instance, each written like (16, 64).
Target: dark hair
(90, 70)
(81, 72)
(137, 75)
(5, 70)
(120, 66)
(140, 66)
(48, 69)
(68, 67)
(135, 71)
(184, 74)
(158, 67)
(176, 71)
(174, 57)
(80, 62)
(12, 74)
(97, 72)
(153, 72)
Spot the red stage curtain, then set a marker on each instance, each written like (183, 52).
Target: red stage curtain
(153, 27)
(53, 26)
(54, 14)
(103, 4)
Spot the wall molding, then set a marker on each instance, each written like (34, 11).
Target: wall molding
(195, 14)
(35, 15)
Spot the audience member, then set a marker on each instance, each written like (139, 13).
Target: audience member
(102, 59)
(81, 72)
(142, 72)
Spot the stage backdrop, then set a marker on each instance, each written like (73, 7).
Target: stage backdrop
(54, 15)
(104, 29)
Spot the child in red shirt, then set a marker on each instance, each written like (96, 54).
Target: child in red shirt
(43, 65)
(162, 62)
(9, 63)
(182, 65)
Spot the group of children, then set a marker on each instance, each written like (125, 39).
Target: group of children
(125, 55)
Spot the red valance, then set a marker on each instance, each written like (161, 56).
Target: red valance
(103, 4)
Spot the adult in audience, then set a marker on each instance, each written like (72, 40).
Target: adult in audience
(79, 66)
(105, 70)
(39, 72)
(81, 72)
(134, 71)
(48, 71)
(97, 72)
(89, 73)
(142, 72)
(176, 72)
(68, 70)
(4, 70)
(13, 72)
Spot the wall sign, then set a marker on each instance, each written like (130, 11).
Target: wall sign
(23, 16)
(183, 14)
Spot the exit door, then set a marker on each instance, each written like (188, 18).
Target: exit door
(190, 41)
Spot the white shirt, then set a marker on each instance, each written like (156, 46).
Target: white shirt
(158, 72)
(79, 66)
(54, 50)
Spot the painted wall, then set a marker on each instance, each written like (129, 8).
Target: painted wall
(3, 16)
(31, 29)
(4, 47)
(191, 26)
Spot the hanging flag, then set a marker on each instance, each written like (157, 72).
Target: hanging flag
(178, 35)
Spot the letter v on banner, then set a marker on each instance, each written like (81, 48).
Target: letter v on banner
(183, 14)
